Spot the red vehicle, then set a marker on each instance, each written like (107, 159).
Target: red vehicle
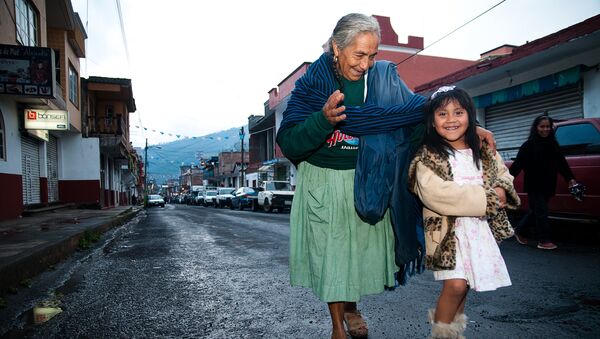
(579, 140)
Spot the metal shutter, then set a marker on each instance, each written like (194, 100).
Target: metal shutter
(511, 122)
(30, 158)
(52, 169)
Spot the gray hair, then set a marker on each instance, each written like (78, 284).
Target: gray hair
(348, 27)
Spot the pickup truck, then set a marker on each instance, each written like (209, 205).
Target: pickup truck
(579, 141)
(275, 195)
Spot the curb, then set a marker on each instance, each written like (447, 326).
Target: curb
(38, 261)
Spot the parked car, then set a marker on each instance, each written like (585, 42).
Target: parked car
(199, 199)
(209, 197)
(275, 195)
(155, 200)
(224, 196)
(245, 197)
(579, 141)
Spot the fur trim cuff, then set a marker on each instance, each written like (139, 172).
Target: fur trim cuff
(492, 202)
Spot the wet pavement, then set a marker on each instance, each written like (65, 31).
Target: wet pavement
(190, 271)
(29, 245)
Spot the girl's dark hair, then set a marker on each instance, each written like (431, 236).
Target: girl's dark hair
(433, 140)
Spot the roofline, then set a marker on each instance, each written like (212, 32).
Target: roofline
(565, 35)
(293, 72)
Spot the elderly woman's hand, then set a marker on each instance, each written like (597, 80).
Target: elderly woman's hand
(331, 111)
(501, 196)
(487, 136)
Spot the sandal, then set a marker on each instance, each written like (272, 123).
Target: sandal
(356, 325)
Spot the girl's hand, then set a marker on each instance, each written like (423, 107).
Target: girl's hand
(487, 136)
(331, 111)
(501, 195)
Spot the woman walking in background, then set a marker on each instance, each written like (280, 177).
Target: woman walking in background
(541, 160)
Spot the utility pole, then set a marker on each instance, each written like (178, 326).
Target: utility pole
(242, 183)
(146, 174)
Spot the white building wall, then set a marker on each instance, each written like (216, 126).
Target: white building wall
(12, 137)
(591, 93)
(79, 158)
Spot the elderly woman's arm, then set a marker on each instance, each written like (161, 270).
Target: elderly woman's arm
(372, 119)
(299, 141)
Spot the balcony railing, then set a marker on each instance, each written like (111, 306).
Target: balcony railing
(100, 125)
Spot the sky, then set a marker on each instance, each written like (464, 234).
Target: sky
(199, 67)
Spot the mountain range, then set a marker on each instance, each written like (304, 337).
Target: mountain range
(164, 159)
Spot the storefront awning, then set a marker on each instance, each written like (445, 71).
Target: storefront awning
(265, 168)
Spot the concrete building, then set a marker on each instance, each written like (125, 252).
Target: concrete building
(557, 75)
(57, 146)
(40, 99)
(228, 168)
(106, 105)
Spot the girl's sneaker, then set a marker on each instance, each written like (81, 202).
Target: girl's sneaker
(547, 245)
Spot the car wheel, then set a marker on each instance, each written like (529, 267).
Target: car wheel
(163, 205)
(267, 207)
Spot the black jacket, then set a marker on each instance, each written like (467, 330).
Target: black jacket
(541, 160)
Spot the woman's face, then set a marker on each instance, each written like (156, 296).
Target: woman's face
(358, 57)
(544, 128)
(451, 122)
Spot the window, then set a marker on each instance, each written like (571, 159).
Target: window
(27, 23)
(577, 134)
(73, 86)
(2, 141)
(108, 115)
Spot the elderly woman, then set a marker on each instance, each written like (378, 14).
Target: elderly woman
(332, 250)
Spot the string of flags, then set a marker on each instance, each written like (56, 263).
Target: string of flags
(179, 136)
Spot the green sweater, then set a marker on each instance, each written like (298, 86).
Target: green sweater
(318, 142)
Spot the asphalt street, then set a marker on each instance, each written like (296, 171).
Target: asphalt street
(190, 271)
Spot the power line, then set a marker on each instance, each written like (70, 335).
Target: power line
(123, 36)
(126, 46)
(445, 36)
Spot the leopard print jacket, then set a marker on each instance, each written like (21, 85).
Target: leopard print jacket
(440, 238)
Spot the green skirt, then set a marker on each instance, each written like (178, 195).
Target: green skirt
(332, 250)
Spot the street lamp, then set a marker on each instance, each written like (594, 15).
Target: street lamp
(242, 168)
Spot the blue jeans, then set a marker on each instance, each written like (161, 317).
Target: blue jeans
(538, 213)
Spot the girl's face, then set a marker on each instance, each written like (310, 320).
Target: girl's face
(451, 122)
(358, 57)
(544, 128)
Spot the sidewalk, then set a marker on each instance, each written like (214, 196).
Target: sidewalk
(30, 244)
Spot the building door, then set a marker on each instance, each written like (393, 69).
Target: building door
(30, 162)
(52, 169)
(512, 121)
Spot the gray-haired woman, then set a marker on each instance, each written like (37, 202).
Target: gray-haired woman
(332, 250)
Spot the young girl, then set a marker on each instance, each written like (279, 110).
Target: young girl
(464, 188)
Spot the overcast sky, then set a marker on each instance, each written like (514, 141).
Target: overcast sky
(199, 67)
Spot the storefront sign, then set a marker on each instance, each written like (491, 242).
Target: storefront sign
(27, 71)
(46, 119)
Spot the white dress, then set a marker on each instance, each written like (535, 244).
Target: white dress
(478, 258)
